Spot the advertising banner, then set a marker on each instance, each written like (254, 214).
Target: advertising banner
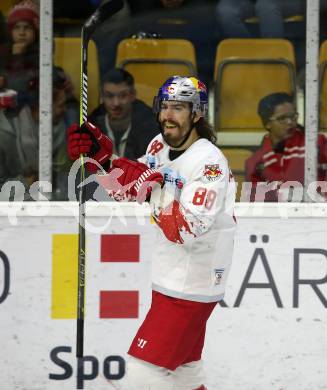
(268, 333)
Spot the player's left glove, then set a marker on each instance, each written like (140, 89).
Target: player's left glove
(131, 180)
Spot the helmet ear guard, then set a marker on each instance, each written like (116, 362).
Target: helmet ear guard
(156, 104)
(183, 89)
(201, 109)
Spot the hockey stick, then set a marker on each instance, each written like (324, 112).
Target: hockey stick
(103, 12)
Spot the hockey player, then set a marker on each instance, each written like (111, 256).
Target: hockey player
(193, 210)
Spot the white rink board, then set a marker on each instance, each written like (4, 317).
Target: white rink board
(255, 346)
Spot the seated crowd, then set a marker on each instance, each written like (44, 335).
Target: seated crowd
(121, 115)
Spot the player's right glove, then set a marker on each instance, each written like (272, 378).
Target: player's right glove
(130, 180)
(90, 141)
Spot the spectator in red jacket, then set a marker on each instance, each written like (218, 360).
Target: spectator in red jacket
(280, 158)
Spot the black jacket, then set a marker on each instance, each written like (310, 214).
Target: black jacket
(144, 128)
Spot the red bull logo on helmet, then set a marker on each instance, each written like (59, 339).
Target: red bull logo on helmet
(199, 85)
(171, 89)
(212, 172)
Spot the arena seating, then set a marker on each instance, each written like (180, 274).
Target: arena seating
(6, 5)
(67, 54)
(245, 71)
(236, 158)
(152, 61)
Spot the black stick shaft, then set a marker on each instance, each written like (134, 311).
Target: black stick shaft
(81, 204)
(103, 12)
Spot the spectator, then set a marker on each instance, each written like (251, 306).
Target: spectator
(129, 122)
(193, 20)
(19, 131)
(231, 15)
(107, 35)
(62, 78)
(141, 6)
(280, 157)
(19, 61)
(74, 9)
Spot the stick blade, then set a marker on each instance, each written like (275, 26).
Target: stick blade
(102, 13)
(110, 8)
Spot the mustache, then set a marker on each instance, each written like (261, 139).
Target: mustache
(170, 122)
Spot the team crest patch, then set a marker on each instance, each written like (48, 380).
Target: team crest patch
(212, 172)
(218, 275)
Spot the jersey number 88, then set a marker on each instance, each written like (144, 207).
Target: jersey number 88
(202, 196)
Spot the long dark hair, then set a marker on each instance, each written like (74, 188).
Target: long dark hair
(205, 130)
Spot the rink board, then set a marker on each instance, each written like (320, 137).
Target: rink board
(270, 334)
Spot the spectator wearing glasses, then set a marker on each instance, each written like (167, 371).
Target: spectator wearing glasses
(280, 157)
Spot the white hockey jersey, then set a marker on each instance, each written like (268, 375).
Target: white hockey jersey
(194, 214)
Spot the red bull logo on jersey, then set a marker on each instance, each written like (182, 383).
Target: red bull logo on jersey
(212, 172)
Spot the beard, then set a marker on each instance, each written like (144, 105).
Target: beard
(170, 139)
(177, 139)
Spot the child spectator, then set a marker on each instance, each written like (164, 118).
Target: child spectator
(20, 59)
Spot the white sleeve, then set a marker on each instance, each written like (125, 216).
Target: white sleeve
(155, 146)
(143, 159)
(192, 213)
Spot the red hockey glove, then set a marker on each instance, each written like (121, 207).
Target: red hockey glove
(89, 140)
(130, 180)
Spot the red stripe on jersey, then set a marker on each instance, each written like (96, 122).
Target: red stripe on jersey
(119, 304)
(120, 248)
